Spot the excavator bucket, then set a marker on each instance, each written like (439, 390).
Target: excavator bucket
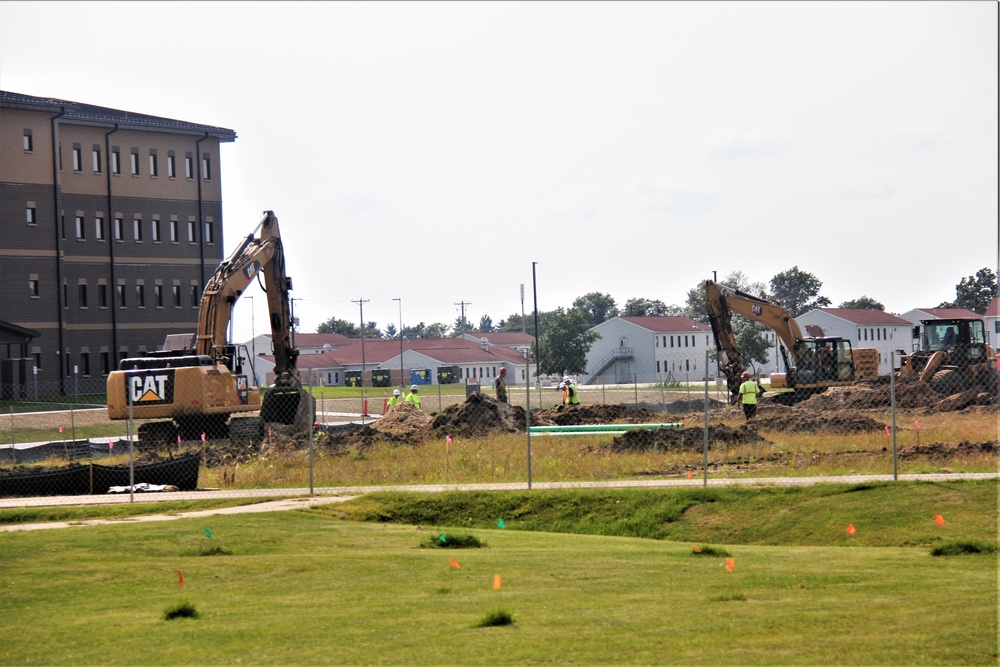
(289, 404)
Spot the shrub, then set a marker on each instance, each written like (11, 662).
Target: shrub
(182, 610)
(445, 541)
(495, 619)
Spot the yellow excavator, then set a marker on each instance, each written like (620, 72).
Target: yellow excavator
(196, 385)
(813, 363)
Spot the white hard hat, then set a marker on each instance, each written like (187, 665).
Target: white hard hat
(413, 388)
(395, 392)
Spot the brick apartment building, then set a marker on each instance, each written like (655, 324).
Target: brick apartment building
(110, 225)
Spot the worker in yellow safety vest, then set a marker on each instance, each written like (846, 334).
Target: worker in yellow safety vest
(748, 396)
(397, 398)
(413, 398)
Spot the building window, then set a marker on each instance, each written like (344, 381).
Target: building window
(33, 288)
(102, 295)
(29, 142)
(65, 295)
(119, 229)
(121, 296)
(190, 231)
(177, 296)
(96, 157)
(135, 161)
(156, 231)
(171, 166)
(173, 231)
(194, 296)
(140, 296)
(29, 215)
(81, 232)
(137, 229)
(82, 294)
(105, 363)
(206, 167)
(85, 364)
(154, 167)
(158, 295)
(99, 228)
(189, 167)
(77, 158)
(209, 233)
(116, 162)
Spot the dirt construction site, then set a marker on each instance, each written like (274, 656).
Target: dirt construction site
(861, 408)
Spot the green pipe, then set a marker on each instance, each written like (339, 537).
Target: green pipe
(560, 434)
(587, 428)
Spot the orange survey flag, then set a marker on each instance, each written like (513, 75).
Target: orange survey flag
(496, 582)
(938, 519)
(696, 549)
(454, 564)
(850, 529)
(730, 564)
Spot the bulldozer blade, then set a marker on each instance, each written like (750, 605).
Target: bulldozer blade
(294, 407)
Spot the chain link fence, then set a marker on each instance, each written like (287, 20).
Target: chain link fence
(154, 431)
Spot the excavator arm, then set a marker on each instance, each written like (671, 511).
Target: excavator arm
(721, 302)
(286, 402)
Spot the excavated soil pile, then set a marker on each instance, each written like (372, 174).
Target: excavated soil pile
(874, 394)
(642, 440)
(478, 416)
(941, 450)
(798, 420)
(569, 415)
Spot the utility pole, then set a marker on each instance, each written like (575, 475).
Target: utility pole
(400, 300)
(361, 304)
(463, 304)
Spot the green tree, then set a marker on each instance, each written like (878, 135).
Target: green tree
(390, 331)
(461, 326)
(797, 291)
(436, 330)
(485, 324)
(596, 307)
(695, 304)
(863, 302)
(565, 341)
(750, 340)
(371, 330)
(639, 307)
(975, 292)
(343, 327)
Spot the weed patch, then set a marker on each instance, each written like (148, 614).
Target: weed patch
(964, 548)
(705, 550)
(496, 619)
(182, 610)
(215, 551)
(446, 541)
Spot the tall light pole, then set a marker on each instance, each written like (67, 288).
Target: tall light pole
(523, 330)
(400, 300)
(361, 304)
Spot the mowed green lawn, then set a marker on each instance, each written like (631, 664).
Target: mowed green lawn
(311, 587)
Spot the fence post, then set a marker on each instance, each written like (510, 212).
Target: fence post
(705, 443)
(312, 427)
(76, 397)
(892, 394)
(128, 432)
(527, 420)
(13, 449)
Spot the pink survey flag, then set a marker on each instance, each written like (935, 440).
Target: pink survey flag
(60, 429)
(447, 439)
(203, 437)
(887, 430)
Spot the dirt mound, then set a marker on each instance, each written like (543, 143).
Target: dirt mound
(665, 439)
(800, 420)
(478, 416)
(403, 420)
(942, 450)
(568, 415)
(910, 395)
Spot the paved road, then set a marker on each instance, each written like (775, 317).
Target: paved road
(299, 498)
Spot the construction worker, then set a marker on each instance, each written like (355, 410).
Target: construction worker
(397, 398)
(413, 398)
(500, 385)
(570, 395)
(748, 395)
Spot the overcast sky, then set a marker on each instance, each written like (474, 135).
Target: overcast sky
(432, 151)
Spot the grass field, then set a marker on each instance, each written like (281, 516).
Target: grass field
(588, 577)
